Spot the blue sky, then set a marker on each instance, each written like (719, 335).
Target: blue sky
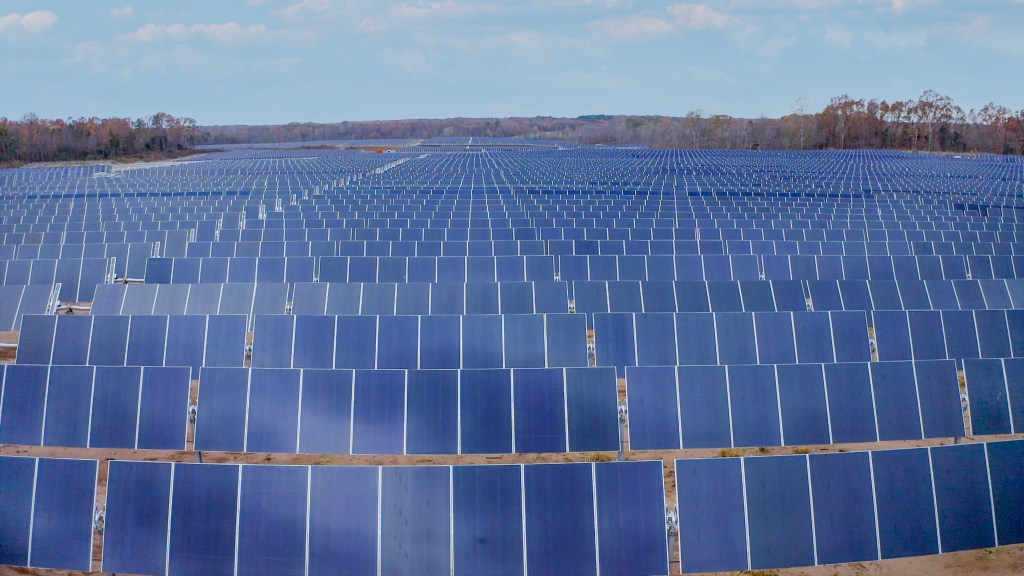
(275, 61)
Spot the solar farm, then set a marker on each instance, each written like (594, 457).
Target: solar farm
(475, 356)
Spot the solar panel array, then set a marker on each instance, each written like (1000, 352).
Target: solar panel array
(467, 299)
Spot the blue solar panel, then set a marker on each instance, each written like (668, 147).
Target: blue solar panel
(896, 397)
(356, 344)
(851, 403)
(779, 512)
(487, 522)
(903, 496)
(485, 411)
(186, 341)
(938, 388)
(697, 342)
(803, 404)
(755, 406)
(775, 340)
(62, 513)
(16, 508)
(135, 539)
(378, 412)
(163, 404)
(204, 504)
(433, 407)
(560, 519)
(415, 534)
(736, 342)
(398, 342)
(272, 520)
(223, 393)
(712, 515)
(631, 518)
(591, 409)
(1007, 484)
(343, 520)
(843, 503)
(539, 408)
(24, 400)
(326, 408)
(71, 340)
(70, 387)
(271, 423)
(146, 340)
(273, 349)
(926, 338)
(482, 342)
(653, 408)
(565, 340)
(112, 348)
(524, 341)
(813, 335)
(965, 515)
(225, 341)
(1014, 369)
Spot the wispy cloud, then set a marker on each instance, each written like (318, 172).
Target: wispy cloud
(700, 16)
(32, 22)
(633, 27)
(520, 39)
(839, 37)
(227, 33)
(677, 17)
(897, 39)
(442, 8)
(304, 7)
(123, 12)
(904, 5)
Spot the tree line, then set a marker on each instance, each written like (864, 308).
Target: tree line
(933, 123)
(33, 139)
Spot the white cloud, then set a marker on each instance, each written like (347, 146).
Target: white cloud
(522, 39)
(904, 5)
(227, 33)
(122, 12)
(839, 37)
(633, 28)
(897, 39)
(412, 62)
(682, 16)
(442, 8)
(582, 3)
(700, 16)
(304, 7)
(371, 25)
(32, 22)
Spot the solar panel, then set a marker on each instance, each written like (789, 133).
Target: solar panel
(964, 508)
(343, 519)
(485, 411)
(46, 508)
(204, 505)
(272, 519)
(432, 425)
(803, 404)
(905, 508)
(415, 535)
(843, 507)
(1007, 487)
(69, 387)
(135, 541)
(712, 515)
